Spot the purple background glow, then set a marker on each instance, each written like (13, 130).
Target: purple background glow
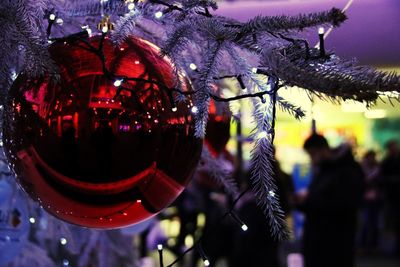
(371, 34)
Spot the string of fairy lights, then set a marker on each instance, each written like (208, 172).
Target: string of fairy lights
(105, 26)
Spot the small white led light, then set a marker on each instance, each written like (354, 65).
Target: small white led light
(117, 83)
(63, 241)
(131, 6)
(193, 66)
(174, 109)
(32, 220)
(60, 21)
(244, 227)
(206, 262)
(321, 30)
(158, 15)
(159, 247)
(194, 109)
(262, 134)
(52, 17)
(87, 28)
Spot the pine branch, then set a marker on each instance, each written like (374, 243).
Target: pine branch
(178, 39)
(124, 27)
(263, 183)
(290, 108)
(34, 256)
(333, 77)
(214, 167)
(202, 95)
(190, 4)
(214, 29)
(283, 23)
(93, 8)
(38, 61)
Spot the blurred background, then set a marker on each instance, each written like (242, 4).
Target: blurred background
(370, 36)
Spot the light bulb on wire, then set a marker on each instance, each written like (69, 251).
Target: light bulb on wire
(192, 66)
(117, 83)
(131, 6)
(194, 109)
(158, 15)
(63, 241)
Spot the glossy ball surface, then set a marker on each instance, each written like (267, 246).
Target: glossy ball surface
(93, 154)
(218, 127)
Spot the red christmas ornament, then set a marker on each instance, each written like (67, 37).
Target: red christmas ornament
(218, 127)
(96, 151)
(217, 136)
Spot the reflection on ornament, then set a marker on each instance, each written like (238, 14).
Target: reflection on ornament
(93, 154)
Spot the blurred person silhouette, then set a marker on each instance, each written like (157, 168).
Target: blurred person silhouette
(330, 205)
(103, 139)
(218, 239)
(189, 205)
(69, 148)
(390, 171)
(256, 247)
(205, 196)
(372, 203)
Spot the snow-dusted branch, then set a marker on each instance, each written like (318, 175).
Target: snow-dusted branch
(335, 77)
(286, 23)
(214, 167)
(261, 166)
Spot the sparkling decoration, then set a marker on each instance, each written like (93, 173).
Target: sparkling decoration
(95, 154)
(14, 222)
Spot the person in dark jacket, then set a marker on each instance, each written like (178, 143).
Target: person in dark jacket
(390, 172)
(372, 203)
(330, 205)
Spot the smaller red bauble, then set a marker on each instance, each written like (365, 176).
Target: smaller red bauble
(218, 127)
(92, 154)
(216, 139)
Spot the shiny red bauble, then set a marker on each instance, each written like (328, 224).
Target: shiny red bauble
(98, 153)
(218, 127)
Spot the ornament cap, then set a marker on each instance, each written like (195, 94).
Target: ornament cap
(105, 24)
